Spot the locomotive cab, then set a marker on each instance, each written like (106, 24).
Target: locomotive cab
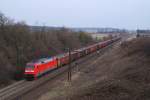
(30, 71)
(39, 67)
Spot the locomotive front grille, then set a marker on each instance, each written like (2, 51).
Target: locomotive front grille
(29, 76)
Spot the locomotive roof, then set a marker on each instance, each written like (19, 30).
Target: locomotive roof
(39, 61)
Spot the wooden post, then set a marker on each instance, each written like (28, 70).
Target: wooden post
(69, 66)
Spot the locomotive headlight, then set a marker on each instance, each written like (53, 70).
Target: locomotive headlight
(29, 70)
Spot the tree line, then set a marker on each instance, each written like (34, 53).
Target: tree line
(19, 45)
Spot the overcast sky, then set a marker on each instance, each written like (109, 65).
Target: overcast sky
(130, 14)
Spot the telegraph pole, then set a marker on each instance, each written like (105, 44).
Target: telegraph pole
(69, 66)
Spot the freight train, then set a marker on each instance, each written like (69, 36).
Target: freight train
(37, 68)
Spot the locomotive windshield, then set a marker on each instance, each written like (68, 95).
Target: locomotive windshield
(31, 67)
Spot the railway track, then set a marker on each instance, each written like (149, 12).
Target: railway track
(20, 88)
(10, 89)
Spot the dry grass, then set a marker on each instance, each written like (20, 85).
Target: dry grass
(128, 74)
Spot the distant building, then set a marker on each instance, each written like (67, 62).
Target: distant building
(100, 30)
(143, 33)
(99, 36)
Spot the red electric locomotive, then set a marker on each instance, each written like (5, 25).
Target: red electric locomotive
(38, 67)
